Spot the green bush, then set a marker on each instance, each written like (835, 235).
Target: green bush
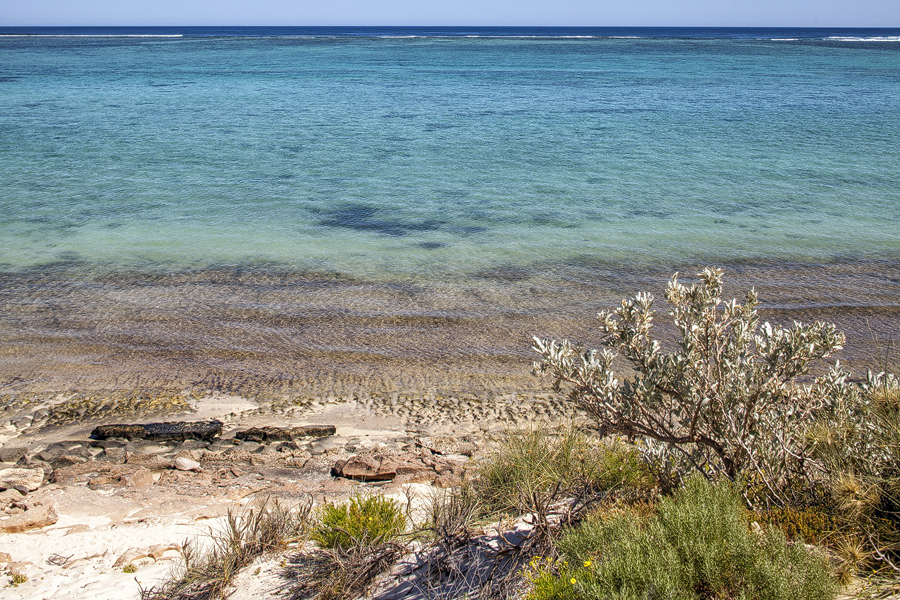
(697, 546)
(370, 519)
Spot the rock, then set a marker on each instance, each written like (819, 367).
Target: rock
(79, 528)
(189, 445)
(151, 461)
(191, 454)
(5, 558)
(22, 422)
(24, 480)
(447, 480)
(446, 444)
(323, 445)
(150, 448)
(108, 443)
(138, 479)
(406, 467)
(113, 455)
(154, 553)
(67, 460)
(33, 463)
(129, 432)
(182, 463)
(251, 447)
(35, 517)
(12, 453)
(365, 468)
(97, 482)
(9, 497)
(58, 449)
(284, 434)
(158, 551)
(170, 430)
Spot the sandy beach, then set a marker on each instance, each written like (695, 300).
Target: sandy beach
(109, 504)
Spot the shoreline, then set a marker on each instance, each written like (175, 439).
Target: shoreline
(267, 335)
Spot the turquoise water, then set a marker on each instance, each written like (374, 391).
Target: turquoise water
(434, 157)
(336, 211)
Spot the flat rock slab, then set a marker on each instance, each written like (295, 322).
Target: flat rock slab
(33, 518)
(386, 467)
(23, 480)
(366, 468)
(170, 430)
(284, 434)
(12, 453)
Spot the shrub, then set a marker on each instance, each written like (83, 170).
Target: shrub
(535, 463)
(858, 441)
(451, 516)
(723, 402)
(370, 519)
(812, 525)
(697, 546)
(357, 542)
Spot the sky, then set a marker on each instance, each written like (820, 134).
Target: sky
(723, 13)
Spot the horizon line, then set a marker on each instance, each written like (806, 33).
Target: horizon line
(492, 26)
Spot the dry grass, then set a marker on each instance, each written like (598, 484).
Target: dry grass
(269, 527)
(341, 573)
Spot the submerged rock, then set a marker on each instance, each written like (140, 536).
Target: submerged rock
(170, 430)
(284, 434)
(12, 453)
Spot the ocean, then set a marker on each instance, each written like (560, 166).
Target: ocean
(333, 211)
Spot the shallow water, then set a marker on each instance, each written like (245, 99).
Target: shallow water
(352, 210)
(287, 333)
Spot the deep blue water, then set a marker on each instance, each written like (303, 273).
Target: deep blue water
(734, 33)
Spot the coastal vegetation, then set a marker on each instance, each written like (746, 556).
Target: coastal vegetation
(716, 466)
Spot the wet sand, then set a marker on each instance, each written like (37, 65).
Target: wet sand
(265, 333)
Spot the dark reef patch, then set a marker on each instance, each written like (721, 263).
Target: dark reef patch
(430, 245)
(361, 217)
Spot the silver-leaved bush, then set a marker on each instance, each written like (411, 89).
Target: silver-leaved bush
(723, 402)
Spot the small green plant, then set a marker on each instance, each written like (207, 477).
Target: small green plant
(696, 546)
(129, 568)
(16, 578)
(365, 519)
(358, 542)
